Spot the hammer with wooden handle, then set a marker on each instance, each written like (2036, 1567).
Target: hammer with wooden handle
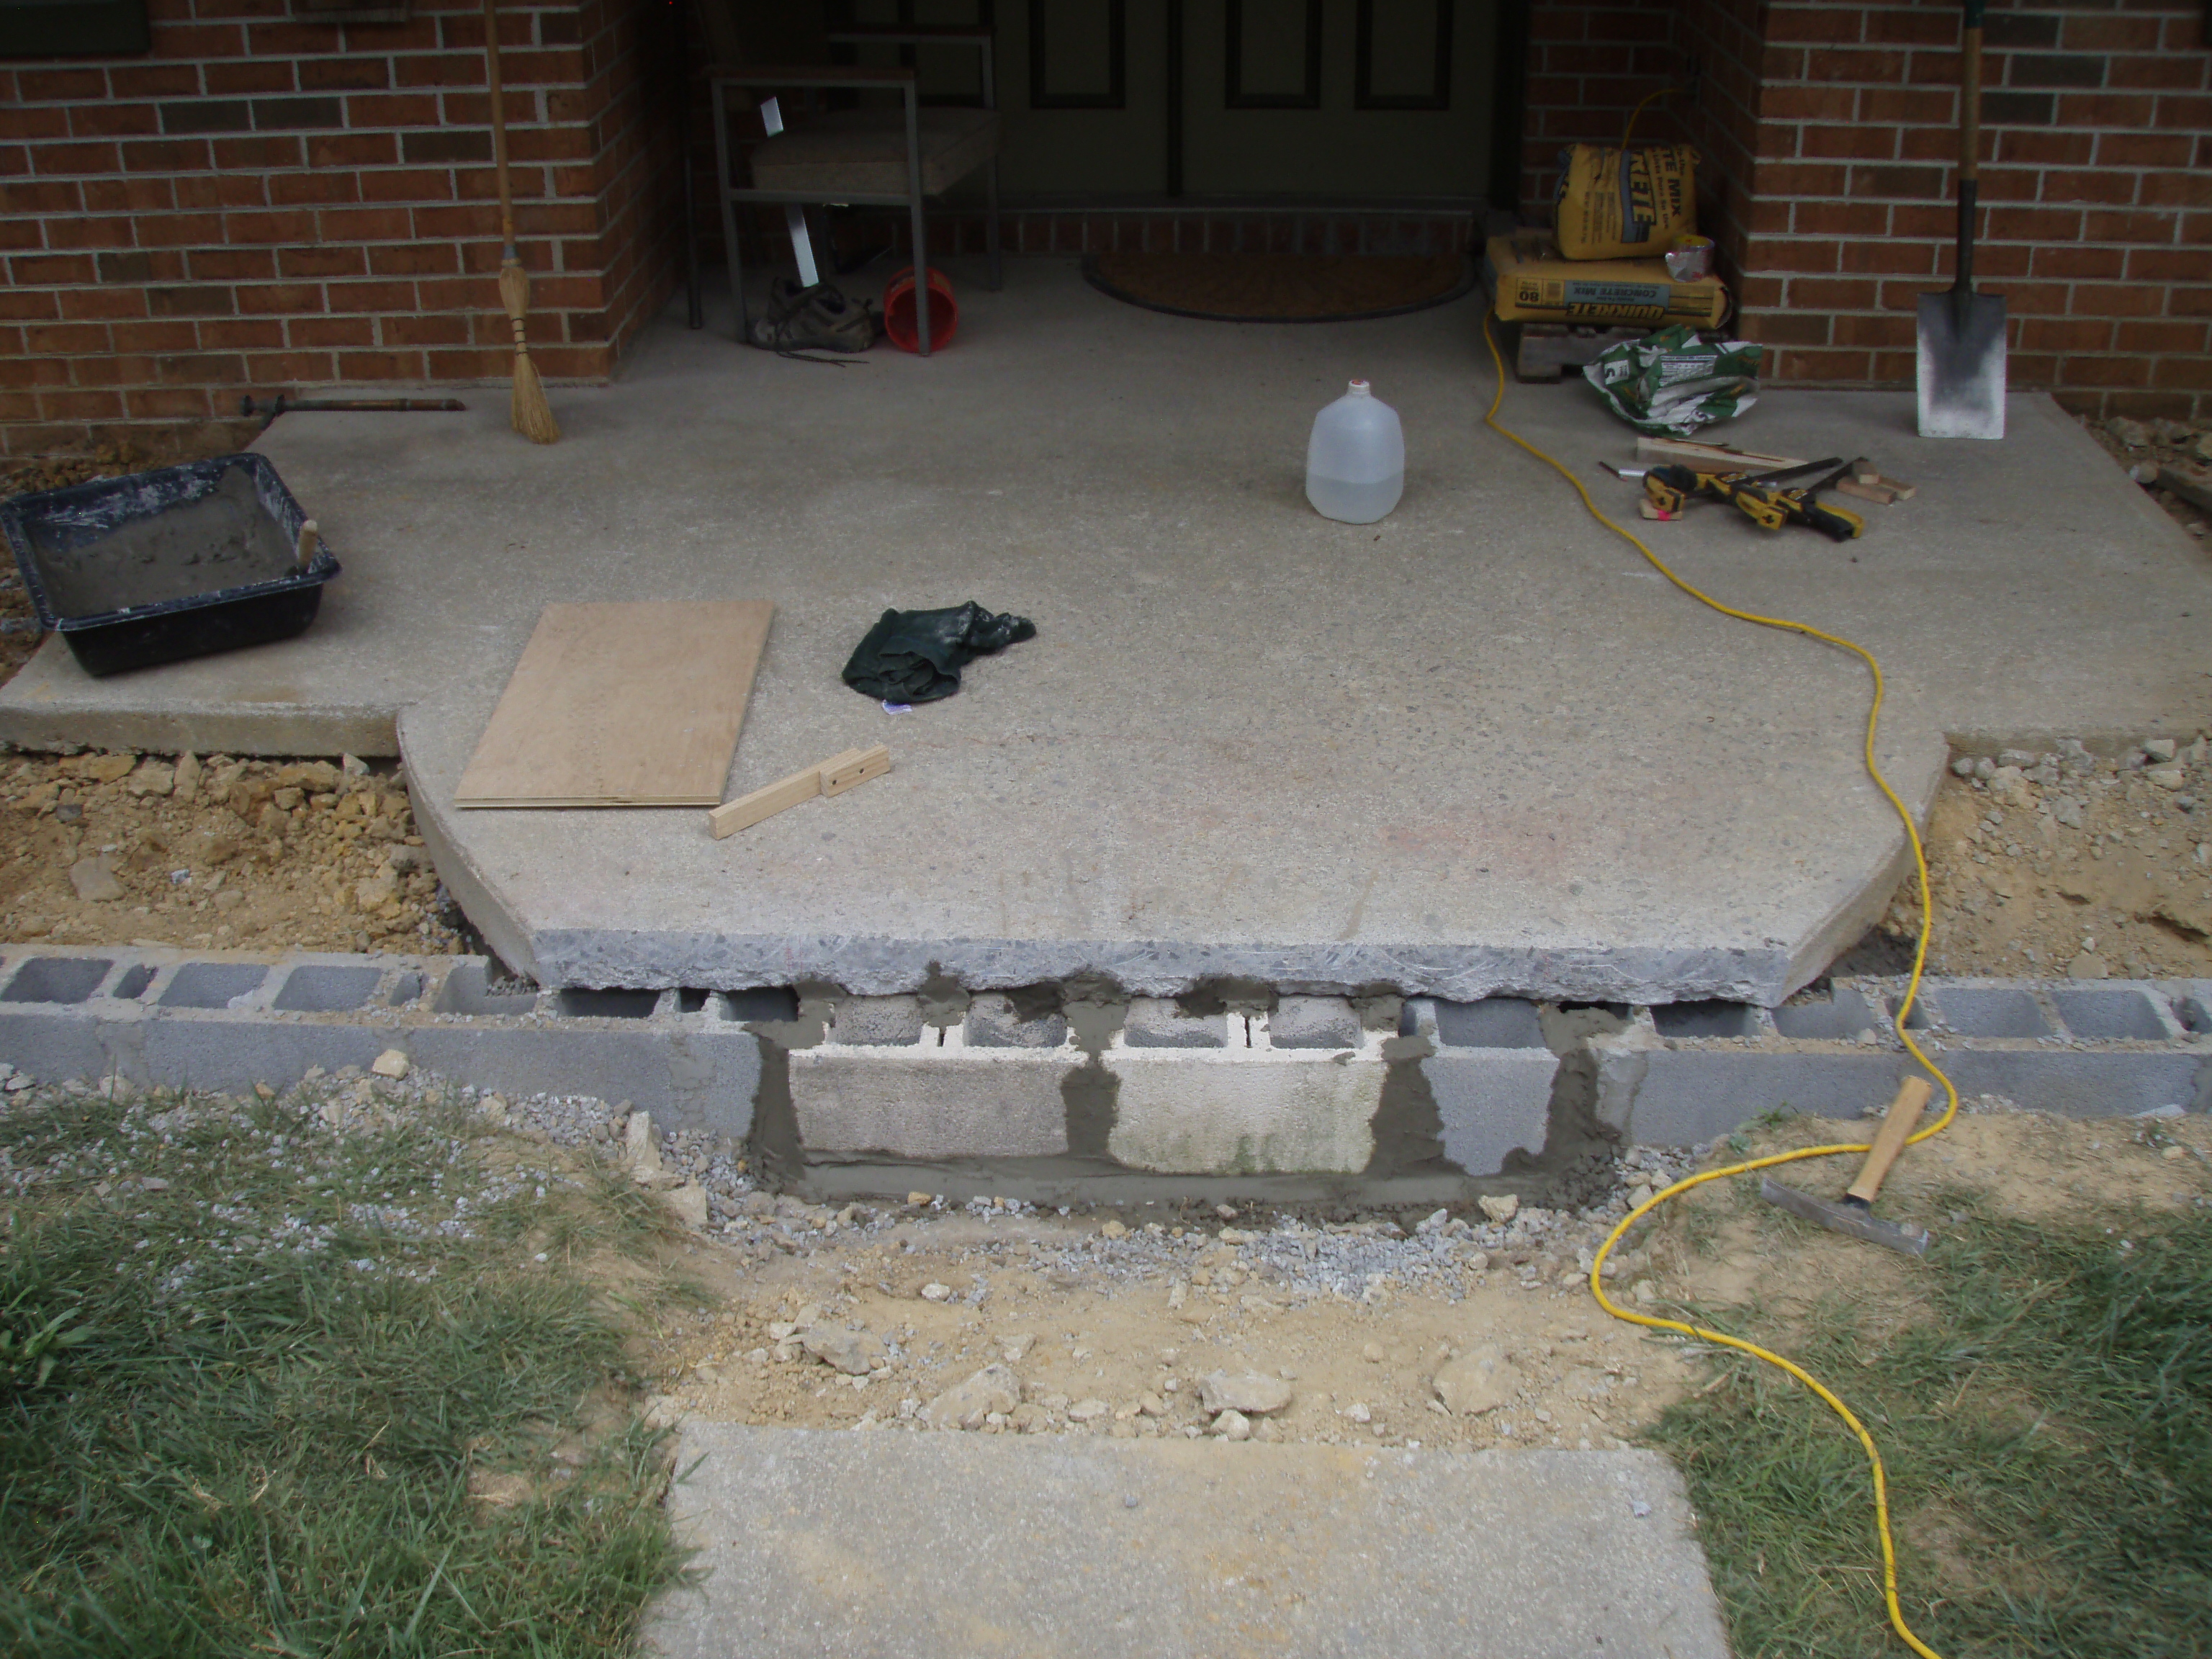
(1855, 1214)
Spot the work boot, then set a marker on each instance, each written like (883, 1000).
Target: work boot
(818, 318)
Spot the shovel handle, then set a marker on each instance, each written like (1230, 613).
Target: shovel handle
(1889, 1140)
(1969, 93)
(1969, 143)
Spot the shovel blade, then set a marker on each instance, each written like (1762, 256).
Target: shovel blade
(1962, 366)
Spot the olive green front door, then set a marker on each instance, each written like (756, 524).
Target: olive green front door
(1338, 100)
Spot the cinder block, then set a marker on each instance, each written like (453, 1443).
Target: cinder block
(55, 979)
(994, 1024)
(1981, 1010)
(930, 1102)
(1235, 1115)
(1706, 1020)
(213, 984)
(466, 989)
(2192, 1006)
(2115, 1083)
(884, 1020)
(324, 989)
(1313, 1022)
(2113, 1014)
(1692, 1095)
(1839, 1017)
(1158, 1023)
(1492, 1101)
(1492, 1022)
(580, 1002)
(167, 1018)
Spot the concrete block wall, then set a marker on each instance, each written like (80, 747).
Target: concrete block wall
(226, 1021)
(1685, 1074)
(1312, 1096)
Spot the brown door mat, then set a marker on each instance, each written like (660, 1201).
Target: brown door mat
(1281, 287)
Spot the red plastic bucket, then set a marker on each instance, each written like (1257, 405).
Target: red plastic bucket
(898, 312)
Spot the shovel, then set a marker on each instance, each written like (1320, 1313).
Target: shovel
(1962, 333)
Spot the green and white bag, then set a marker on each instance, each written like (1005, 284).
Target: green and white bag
(1671, 383)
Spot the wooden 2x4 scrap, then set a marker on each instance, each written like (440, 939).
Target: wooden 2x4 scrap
(831, 777)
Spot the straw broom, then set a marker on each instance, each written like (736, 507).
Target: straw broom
(533, 415)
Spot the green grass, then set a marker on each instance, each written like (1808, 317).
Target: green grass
(283, 1366)
(2047, 1429)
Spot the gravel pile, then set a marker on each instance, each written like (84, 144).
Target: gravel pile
(343, 1162)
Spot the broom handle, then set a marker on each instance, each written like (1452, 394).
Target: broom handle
(1969, 140)
(499, 128)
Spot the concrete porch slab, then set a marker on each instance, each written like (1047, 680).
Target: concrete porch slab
(1478, 747)
(924, 1545)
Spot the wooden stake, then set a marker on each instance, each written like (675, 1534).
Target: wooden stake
(532, 414)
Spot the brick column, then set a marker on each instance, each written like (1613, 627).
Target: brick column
(264, 202)
(2096, 185)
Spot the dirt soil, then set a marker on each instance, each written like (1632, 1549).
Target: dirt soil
(1722, 1248)
(2144, 447)
(2060, 863)
(1109, 1323)
(106, 848)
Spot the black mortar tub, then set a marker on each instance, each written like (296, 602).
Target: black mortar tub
(158, 566)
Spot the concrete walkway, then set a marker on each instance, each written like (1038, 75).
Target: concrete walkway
(1478, 747)
(893, 1546)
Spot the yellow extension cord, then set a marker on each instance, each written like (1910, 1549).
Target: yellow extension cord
(1912, 991)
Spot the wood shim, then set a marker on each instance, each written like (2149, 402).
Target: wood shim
(622, 705)
(831, 777)
(1709, 457)
(1848, 485)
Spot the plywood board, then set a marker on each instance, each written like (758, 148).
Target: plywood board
(622, 705)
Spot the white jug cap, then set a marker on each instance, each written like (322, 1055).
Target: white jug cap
(1359, 389)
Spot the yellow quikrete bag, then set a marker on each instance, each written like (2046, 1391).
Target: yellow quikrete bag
(1616, 202)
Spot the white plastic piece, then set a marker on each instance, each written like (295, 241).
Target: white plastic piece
(1356, 458)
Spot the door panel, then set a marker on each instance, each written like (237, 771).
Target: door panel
(1340, 98)
(1402, 58)
(1083, 97)
(1079, 56)
(1272, 54)
(1344, 101)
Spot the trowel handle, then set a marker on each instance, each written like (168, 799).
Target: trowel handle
(1889, 1140)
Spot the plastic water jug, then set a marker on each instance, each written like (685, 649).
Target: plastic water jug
(1356, 458)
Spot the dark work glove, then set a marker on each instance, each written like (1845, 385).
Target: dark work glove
(916, 656)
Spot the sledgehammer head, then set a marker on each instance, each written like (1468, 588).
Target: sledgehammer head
(1852, 1216)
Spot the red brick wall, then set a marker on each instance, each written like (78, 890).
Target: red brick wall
(1589, 62)
(1828, 132)
(1722, 38)
(262, 201)
(2096, 182)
